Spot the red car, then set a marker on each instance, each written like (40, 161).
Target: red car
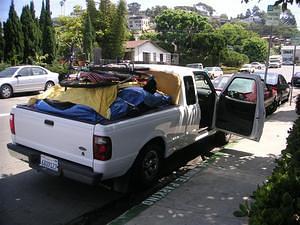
(270, 94)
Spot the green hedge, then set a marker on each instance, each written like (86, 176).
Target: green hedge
(277, 202)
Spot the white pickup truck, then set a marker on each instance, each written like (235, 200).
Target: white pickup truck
(135, 147)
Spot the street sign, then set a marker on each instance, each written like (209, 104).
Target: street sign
(273, 15)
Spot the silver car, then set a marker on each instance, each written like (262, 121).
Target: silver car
(18, 79)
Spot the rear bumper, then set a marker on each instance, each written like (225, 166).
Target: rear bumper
(66, 168)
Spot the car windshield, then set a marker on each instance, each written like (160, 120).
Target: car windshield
(271, 78)
(8, 72)
(220, 82)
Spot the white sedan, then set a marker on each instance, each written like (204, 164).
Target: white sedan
(28, 78)
(214, 71)
(247, 68)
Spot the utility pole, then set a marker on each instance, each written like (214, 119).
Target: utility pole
(268, 55)
(294, 62)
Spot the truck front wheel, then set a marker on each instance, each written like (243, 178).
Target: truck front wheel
(222, 138)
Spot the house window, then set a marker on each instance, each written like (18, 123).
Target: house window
(161, 57)
(146, 57)
(154, 56)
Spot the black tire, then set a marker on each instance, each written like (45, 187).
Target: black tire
(6, 91)
(146, 169)
(272, 108)
(48, 85)
(222, 138)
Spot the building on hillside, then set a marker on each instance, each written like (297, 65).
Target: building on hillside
(138, 23)
(146, 51)
(287, 53)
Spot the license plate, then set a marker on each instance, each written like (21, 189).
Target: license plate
(49, 163)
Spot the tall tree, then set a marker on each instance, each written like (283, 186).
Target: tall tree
(1, 43)
(93, 13)
(48, 34)
(256, 49)
(31, 35)
(177, 27)
(88, 37)
(13, 36)
(119, 31)
(103, 36)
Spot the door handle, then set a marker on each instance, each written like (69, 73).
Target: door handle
(49, 122)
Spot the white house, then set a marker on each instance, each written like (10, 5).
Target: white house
(287, 53)
(138, 23)
(146, 51)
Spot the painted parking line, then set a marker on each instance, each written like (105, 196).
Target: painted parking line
(162, 193)
(4, 114)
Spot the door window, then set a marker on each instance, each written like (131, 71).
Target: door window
(25, 72)
(189, 90)
(38, 71)
(242, 89)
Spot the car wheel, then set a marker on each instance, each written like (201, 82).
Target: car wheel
(48, 85)
(6, 91)
(272, 108)
(147, 165)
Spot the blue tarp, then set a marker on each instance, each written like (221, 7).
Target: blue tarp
(80, 112)
(126, 100)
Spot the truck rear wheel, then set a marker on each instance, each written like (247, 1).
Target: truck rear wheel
(147, 165)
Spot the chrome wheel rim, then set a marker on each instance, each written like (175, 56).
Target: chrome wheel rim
(6, 91)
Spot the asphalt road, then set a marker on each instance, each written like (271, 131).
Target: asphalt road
(29, 197)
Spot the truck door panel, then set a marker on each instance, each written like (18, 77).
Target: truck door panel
(240, 109)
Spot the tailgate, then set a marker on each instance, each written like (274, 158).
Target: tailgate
(64, 138)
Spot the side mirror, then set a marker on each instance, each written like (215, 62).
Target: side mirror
(18, 75)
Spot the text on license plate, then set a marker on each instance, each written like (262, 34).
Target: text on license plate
(49, 162)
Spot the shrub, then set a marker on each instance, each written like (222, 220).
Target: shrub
(298, 105)
(57, 68)
(4, 66)
(233, 58)
(277, 201)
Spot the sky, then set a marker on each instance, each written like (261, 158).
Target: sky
(230, 7)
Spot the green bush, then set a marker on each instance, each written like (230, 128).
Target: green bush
(277, 202)
(57, 68)
(233, 58)
(4, 66)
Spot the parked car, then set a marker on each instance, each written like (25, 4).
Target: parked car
(247, 68)
(214, 71)
(279, 84)
(274, 65)
(288, 62)
(25, 79)
(196, 65)
(270, 95)
(258, 65)
(220, 82)
(296, 79)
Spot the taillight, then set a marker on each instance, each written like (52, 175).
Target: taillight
(102, 148)
(12, 123)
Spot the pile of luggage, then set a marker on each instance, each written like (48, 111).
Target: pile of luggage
(129, 94)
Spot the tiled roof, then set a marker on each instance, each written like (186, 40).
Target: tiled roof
(133, 44)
